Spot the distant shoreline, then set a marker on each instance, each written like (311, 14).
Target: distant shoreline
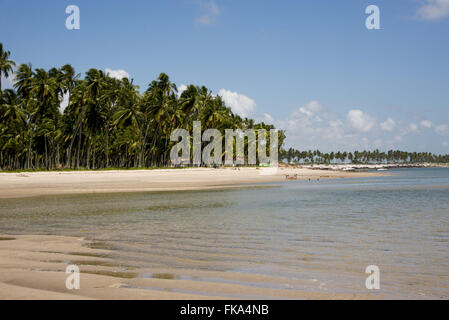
(314, 166)
(348, 167)
(29, 184)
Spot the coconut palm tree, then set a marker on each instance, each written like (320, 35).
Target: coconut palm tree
(74, 116)
(128, 114)
(68, 80)
(12, 120)
(46, 90)
(110, 99)
(6, 65)
(11, 108)
(23, 78)
(95, 85)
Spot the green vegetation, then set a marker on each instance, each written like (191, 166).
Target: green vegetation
(107, 123)
(356, 157)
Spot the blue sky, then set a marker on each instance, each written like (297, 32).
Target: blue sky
(310, 67)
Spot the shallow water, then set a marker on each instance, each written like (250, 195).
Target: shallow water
(324, 232)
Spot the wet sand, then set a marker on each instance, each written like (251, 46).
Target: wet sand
(18, 185)
(33, 267)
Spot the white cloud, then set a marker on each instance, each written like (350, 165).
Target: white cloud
(442, 129)
(312, 127)
(434, 10)
(117, 74)
(444, 144)
(204, 19)
(306, 130)
(268, 117)
(65, 102)
(311, 108)
(210, 12)
(412, 127)
(426, 124)
(181, 89)
(388, 125)
(239, 103)
(361, 121)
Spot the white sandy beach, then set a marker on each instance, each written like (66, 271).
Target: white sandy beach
(33, 266)
(16, 185)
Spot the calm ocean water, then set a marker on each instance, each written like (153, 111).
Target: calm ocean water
(324, 232)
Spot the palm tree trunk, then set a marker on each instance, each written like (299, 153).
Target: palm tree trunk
(142, 149)
(95, 149)
(88, 153)
(69, 160)
(29, 149)
(107, 146)
(154, 144)
(78, 150)
(57, 155)
(165, 152)
(46, 154)
(69, 157)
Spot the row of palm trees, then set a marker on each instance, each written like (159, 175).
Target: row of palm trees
(107, 123)
(392, 156)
